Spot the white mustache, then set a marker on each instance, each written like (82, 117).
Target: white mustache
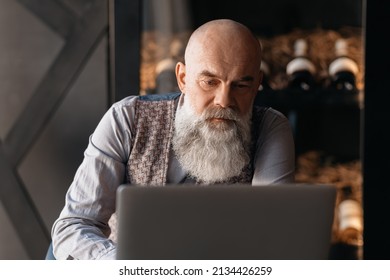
(220, 113)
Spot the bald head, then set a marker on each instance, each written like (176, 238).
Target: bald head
(222, 67)
(230, 39)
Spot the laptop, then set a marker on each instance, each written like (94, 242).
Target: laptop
(220, 222)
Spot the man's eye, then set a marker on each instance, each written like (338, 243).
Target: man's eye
(242, 86)
(209, 83)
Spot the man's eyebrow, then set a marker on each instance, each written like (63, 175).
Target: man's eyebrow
(206, 73)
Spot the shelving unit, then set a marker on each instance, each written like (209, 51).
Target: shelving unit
(323, 119)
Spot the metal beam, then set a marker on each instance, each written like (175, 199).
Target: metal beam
(21, 211)
(54, 13)
(82, 40)
(125, 48)
(56, 83)
(376, 139)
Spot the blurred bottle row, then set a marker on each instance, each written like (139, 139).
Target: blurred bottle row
(301, 71)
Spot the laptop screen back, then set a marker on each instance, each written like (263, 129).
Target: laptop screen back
(292, 221)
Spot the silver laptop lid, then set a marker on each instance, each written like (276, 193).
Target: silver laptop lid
(292, 221)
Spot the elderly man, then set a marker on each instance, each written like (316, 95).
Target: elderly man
(209, 133)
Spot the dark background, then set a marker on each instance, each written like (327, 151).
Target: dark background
(275, 17)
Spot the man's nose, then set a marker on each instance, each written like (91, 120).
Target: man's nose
(223, 97)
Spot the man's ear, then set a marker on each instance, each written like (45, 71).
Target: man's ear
(181, 76)
(261, 75)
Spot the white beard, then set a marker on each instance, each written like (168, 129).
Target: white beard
(212, 152)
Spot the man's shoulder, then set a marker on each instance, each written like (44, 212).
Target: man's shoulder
(267, 117)
(130, 102)
(261, 111)
(160, 97)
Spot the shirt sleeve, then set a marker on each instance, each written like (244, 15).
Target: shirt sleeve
(274, 161)
(81, 230)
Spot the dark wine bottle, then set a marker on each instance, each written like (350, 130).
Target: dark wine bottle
(301, 70)
(343, 69)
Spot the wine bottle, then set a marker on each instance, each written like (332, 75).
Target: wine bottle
(343, 69)
(350, 217)
(301, 70)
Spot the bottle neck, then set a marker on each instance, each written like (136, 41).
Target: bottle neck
(342, 61)
(300, 48)
(341, 48)
(300, 62)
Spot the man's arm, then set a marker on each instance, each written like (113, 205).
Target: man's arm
(81, 231)
(275, 155)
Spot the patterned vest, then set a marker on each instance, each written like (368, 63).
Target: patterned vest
(154, 119)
